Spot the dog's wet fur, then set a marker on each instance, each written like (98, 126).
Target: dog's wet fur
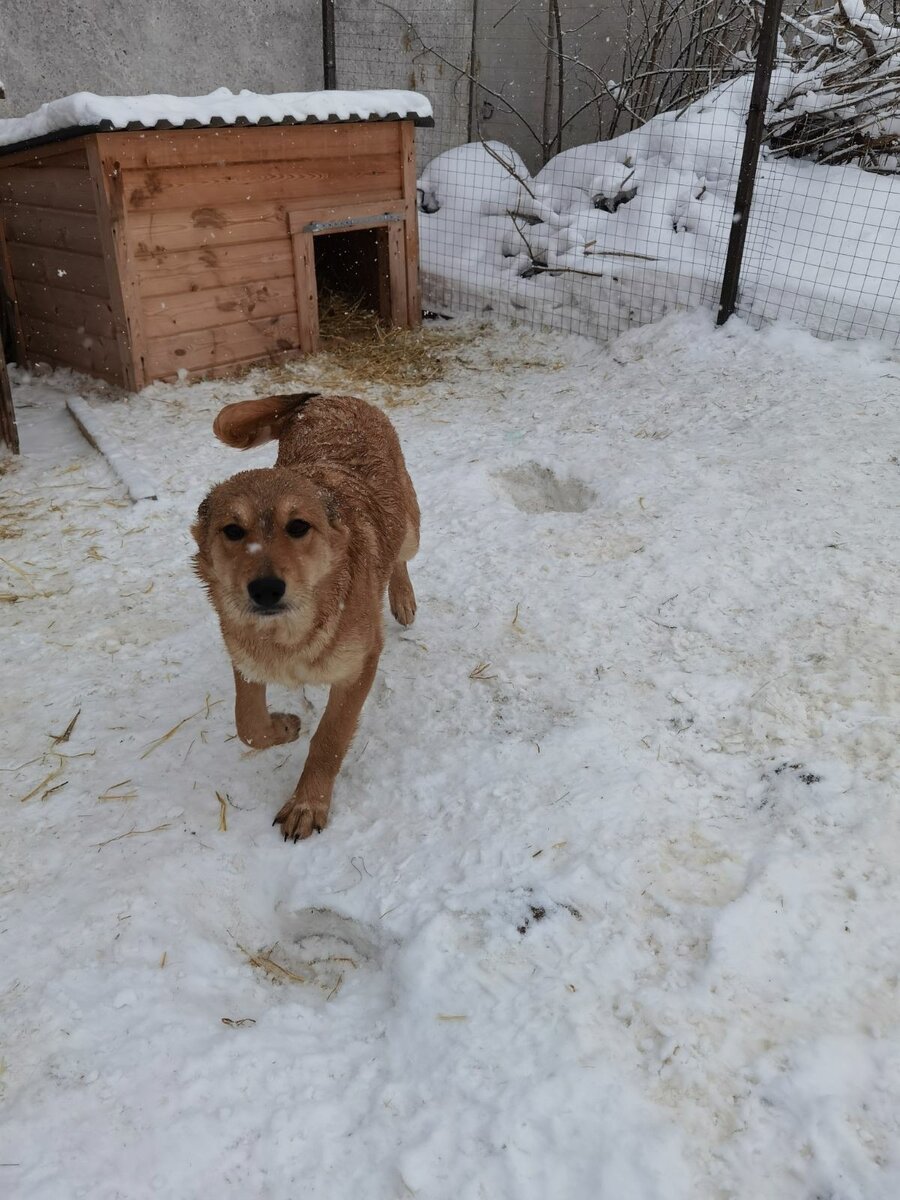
(296, 559)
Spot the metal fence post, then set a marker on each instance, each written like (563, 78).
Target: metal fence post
(756, 117)
(329, 55)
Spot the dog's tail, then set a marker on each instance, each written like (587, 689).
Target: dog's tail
(253, 422)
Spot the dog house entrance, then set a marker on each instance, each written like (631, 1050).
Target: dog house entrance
(359, 255)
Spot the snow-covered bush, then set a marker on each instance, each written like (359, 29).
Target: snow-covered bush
(843, 104)
(487, 178)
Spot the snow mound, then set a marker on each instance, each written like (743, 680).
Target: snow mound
(485, 178)
(615, 234)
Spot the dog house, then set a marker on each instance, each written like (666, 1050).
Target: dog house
(153, 237)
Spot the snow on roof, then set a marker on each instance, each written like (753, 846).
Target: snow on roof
(84, 110)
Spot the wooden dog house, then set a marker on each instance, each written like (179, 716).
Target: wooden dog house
(151, 253)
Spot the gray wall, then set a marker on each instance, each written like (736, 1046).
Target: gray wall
(51, 48)
(378, 48)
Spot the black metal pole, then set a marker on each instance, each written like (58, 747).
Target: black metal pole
(329, 56)
(473, 75)
(756, 118)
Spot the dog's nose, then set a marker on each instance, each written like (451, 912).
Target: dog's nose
(267, 591)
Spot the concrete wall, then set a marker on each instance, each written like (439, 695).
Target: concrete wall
(51, 48)
(377, 47)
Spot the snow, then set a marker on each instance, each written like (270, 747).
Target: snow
(84, 109)
(612, 917)
(138, 485)
(636, 227)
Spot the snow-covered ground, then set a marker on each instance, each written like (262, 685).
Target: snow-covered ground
(633, 228)
(607, 908)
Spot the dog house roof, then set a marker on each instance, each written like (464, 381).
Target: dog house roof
(85, 112)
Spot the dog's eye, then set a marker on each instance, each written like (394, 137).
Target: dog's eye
(297, 528)
(234, 533)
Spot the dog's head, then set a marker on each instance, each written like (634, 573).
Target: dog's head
(266, 539)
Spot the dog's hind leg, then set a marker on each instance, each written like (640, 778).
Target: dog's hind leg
(401, 596)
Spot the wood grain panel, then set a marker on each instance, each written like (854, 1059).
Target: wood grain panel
(157, 149)
(165, 315)
(201, 350)
(169, 273)
(218, 185)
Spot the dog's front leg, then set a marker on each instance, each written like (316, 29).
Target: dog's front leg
(307, 809)
(256, 726)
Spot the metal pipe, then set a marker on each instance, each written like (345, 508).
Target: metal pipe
(329, 53)
(756, 118)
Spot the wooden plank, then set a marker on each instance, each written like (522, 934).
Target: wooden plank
(154, 233)
(10, 292)
(9, 431)
(203, 350)
(171, 272)
(61, 268)
(383, 248)
(69, 152)
(66, 188)
(373, 213)
(124, 287)
(410, 226)
(50, 227)
(157, 149)
(357, 216)
(399, 303)
(164, 315)
(66, 347)
(217, 185)
(307, 292)
(74, 310)
(229, 370)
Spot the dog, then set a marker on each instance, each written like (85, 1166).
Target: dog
(295, 559)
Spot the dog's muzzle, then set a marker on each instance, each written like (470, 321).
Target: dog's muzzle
(266, 593)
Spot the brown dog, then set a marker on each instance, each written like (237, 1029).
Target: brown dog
(296, 559)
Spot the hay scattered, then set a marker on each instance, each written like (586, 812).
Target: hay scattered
(365, 350)
(133, 833)
(154, 745)
(18, 570)
(223, 813)
(113, 793)
(54, 774)
(480, 672)
(263, 961)
(59, 738)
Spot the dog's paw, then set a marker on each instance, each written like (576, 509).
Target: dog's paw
(402, 600)
(285, 728)
(303, 815)
(282, 727)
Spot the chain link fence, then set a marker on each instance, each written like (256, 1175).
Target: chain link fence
(584, 162)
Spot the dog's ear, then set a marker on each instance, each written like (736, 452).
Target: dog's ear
(201, 525)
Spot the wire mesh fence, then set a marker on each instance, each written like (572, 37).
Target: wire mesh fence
(582, 170)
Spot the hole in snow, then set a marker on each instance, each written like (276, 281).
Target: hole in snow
(536, 489)
(322, 950)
